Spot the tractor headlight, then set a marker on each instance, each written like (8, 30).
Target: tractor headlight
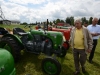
(64, 40)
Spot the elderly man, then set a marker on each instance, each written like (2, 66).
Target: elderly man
(95, 32)
(81, 42)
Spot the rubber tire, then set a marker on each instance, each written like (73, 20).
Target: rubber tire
(15, 49)
(54, 61)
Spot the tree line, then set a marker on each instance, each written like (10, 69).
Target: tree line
(68, 20)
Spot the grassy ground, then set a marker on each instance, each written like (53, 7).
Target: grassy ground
(30, 64)
(13, 26)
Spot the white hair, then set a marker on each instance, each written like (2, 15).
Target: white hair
(78, 20)
(94, 19)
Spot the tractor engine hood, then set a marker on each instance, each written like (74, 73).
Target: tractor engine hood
(56, 37)
(6, 63)
(46, 32)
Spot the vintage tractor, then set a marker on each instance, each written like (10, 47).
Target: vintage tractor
(37, 41)
(6, 63)
(65, 31)
(64, 27)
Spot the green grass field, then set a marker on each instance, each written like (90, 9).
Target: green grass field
(13, 26)
(30, 64)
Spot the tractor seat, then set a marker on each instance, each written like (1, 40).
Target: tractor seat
(3, 31)
(19, 31)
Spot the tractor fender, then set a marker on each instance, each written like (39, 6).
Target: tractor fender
(66, 45)
(16, 38)
(6, 63)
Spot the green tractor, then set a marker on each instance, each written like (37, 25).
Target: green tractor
(6, 63)
(37, 41)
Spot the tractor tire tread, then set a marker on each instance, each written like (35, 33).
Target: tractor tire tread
(14, 45)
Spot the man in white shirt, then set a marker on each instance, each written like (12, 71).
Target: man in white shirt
(94, 29)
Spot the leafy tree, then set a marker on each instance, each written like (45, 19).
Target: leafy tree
(57, 21)
(54, 22)
(90, 20)
(32, 23)
(68, 20)
(62, 21)
(72, 20)
(99, 21)
(50, 23)
(86, 22)
(83, 19)
(24, 23)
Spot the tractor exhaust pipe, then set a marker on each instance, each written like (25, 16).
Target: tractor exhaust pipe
(47, 24)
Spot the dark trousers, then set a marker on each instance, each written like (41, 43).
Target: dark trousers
(79, 58)
(93, 50)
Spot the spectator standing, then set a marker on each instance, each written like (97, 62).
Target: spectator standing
(81, 42)
(94, 29)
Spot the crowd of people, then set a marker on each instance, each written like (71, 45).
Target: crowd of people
(83, 40)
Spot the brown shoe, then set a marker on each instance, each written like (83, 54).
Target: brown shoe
(76, 73)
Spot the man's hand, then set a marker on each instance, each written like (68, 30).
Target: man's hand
(98, 33)
(95, 34)
(89, 51)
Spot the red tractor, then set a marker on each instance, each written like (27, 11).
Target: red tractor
(66, 32)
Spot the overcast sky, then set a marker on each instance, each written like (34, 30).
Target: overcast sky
(39, 10)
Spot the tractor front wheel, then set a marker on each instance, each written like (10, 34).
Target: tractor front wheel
(12, 46)
(51, 66)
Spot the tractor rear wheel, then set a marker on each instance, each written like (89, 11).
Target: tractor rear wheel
(51, 66)
(12, 46)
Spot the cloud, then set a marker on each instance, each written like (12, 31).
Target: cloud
(25, 2)
(40, 10)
